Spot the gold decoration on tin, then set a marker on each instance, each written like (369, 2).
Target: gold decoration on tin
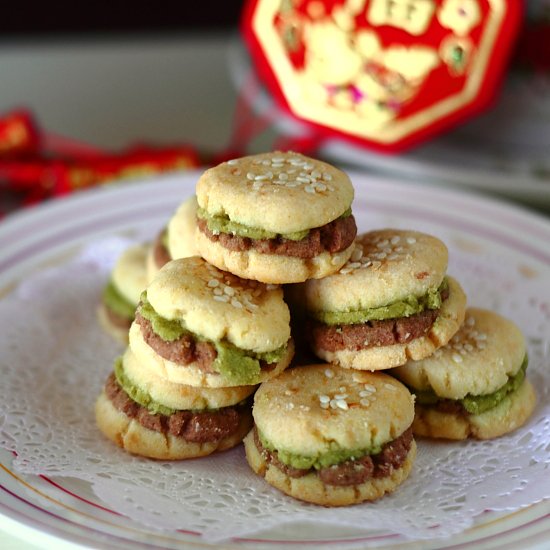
(413, 16)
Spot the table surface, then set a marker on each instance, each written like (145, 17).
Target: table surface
(110, 93)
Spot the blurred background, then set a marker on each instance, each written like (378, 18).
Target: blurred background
(103, 79)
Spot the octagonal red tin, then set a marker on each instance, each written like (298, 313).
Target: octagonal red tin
(386, 73)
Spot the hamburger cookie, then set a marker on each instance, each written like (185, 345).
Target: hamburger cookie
(331, 436)
(200, 326)
(168, 421)
(475, 386)
(391, 302)
(122, 293)
(275, 217)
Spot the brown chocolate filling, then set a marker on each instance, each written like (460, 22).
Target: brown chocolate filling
(161, 255)
(372, 333)
(185, 350)
(351, 472)
(117, 320)
(195, 427)
(332, 237)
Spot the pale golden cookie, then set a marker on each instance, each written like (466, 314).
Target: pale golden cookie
(270, 268)
(479, 359)
(511, 413)
(130, 273)
(386, 266)
(180, 396)
(192, 374)
(217, 305)
(310, 488)
(181, 230)
(327, 422)
(293, 414)
(134, 438)
(449, 320)
(283, 192)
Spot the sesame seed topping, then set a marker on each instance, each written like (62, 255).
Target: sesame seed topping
(365, 402)
(390, 387)
(341, 404)
(324, 398)
(325, 405)
(229, 291)
(250, 176)
(411, 240)
(218, 292)
(236, 303)
(457, 358)
(212, 283)
(232, 162)
(370, 387)
(329, 373)
(470, 321)
(341, 396)
(221, 298)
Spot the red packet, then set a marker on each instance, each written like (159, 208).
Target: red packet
(18, 135)
(385, 73)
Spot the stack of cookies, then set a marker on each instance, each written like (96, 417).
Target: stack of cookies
(210, 328)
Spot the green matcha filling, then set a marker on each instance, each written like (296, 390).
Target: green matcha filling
(477, 404)
(411, 305)
(239, 366)
(141, 397)
(336, 455)
(117, 303)
(222, 224)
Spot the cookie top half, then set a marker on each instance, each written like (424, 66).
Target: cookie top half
(279, 192)
(130, 274)
(318, 409)
(481, 357)
(386, 266)
(181, 230)
(217, 305)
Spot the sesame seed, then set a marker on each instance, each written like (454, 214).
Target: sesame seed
(327, 177)
(288, 392)
(232, 162)
(290, 406)
(324, 398)
(468, 347)
(411, 240)
(357, 254)
(481, 345)
(335, 260)
(304, 408)
(229, 291)
(329, 373)
(321, 187)
(221, 298)
(341, 404)
(266, 162)
(457, 358)
(390, 386)
(470, 321)
(342, 388)
(315, 174)
(341, 396)
(303, 179)
(218, 292)
(283, 176)
(393, 256)
(395, 239)
(364, 402)
(333, 404)
(364, 393)
(236, 303)
(308, 166)
(262, 177)
(370, 387)
(271, 287)
(324, 405)
(212, 283)
(250, 176)
(482, 336)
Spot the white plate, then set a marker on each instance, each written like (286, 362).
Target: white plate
(64, 512)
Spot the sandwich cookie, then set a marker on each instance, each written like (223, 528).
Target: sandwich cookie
(122, 293)
(275, 217)
(200, 326)
(475, 386)
(176, 240)
(149, 416)
(332, 436)
(391, 302)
